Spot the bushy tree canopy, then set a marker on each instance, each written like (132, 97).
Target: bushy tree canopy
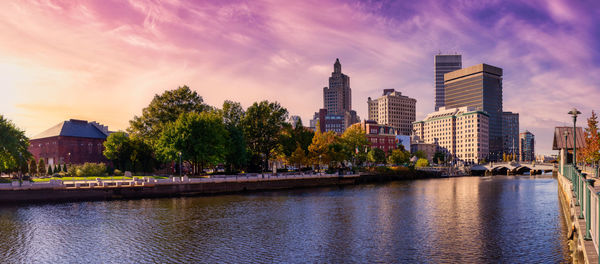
(262, 125)
(165, 108)
(13, 146)
(199, 137)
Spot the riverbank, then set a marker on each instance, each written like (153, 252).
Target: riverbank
(148, 187)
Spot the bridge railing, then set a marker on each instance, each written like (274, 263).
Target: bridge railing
(588, 201)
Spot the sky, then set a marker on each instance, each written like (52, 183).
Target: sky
(104, 60)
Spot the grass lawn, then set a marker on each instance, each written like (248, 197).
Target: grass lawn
(91, 178)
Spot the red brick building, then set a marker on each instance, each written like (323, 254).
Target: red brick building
(380, 136)
(71, 142)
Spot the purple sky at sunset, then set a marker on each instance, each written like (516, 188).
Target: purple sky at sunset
(104, 60)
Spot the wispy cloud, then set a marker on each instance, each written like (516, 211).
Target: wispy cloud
(104, 60)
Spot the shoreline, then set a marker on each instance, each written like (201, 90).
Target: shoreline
(138, 188)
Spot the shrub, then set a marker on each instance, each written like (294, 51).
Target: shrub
(118, 172)
(87, 169)
(422, 163)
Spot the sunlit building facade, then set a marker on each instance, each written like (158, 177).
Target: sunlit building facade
(459, 133)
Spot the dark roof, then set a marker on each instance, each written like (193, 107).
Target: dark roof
(559, 138)
(73, 128)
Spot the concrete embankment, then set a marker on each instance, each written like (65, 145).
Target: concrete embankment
(147, 187)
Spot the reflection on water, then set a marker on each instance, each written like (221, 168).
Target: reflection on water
(470, 219)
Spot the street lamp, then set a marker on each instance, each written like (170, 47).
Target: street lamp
(180, 164)
(574, 112)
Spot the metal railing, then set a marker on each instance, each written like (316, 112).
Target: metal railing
(588, 201)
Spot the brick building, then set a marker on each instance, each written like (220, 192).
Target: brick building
(380, 136)
(72, 142)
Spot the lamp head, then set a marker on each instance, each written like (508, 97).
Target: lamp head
(574, 112)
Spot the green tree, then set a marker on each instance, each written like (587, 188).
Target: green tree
(199, 137)
(56, 168)
(422, 163)
(355, 140)
(50, 170)
(262, 125)
(319, 150)
(165, 108)
(292, 137)
(236, 153)
(13, 146)
(421, 155)
(32, 167)
(142, 158)
(376, 155)
(118, 149)
(41, 167)
(440, 157)
(64, 167)
(397, 156)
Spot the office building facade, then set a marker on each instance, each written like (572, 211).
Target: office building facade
(444, 64)
(459, 133)
(393, 109)
(527, 146)
(510, 134)
(479, 86)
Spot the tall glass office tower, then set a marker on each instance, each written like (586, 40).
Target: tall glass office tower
(444, 64)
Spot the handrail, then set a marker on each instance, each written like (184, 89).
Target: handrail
(588, 201)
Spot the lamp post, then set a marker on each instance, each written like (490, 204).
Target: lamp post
(180, 165)
(565, 152)
(574, 112)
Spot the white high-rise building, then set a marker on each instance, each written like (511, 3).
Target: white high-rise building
(460, 133)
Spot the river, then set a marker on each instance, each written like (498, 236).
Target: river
(510, 219)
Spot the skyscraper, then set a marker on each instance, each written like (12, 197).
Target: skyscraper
(337, 98)
(393, 109)
(510, 134)
(336, 114)
(444, 64)
(479, 86)
(527, 145)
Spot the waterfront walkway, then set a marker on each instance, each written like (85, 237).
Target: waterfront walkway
(580, 195)
(150, 182)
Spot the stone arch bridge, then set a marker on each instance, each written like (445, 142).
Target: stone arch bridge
(513, 168)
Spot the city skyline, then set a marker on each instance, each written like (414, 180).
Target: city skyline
(104, 61)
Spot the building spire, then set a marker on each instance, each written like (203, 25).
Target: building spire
(337, 66)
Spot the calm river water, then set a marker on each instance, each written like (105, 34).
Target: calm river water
(456, 220)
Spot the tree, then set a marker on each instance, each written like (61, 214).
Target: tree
(298, 157)
(422, 163)
(199, 137)
(13, 146)
(236, 153)
(50, 170)
(376, 155)
(355, 140)
(56, 168)
(32, 167)
(142, 157)
(591, 152)
(398, 157)
(439, 157)
(292, 137)
(118, 149)
(163, 109)
(319, 150)
(262, 124)
(64, 168)
(41, 166)
(421, 155)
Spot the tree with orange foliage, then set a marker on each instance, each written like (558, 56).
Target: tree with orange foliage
(591, 152)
